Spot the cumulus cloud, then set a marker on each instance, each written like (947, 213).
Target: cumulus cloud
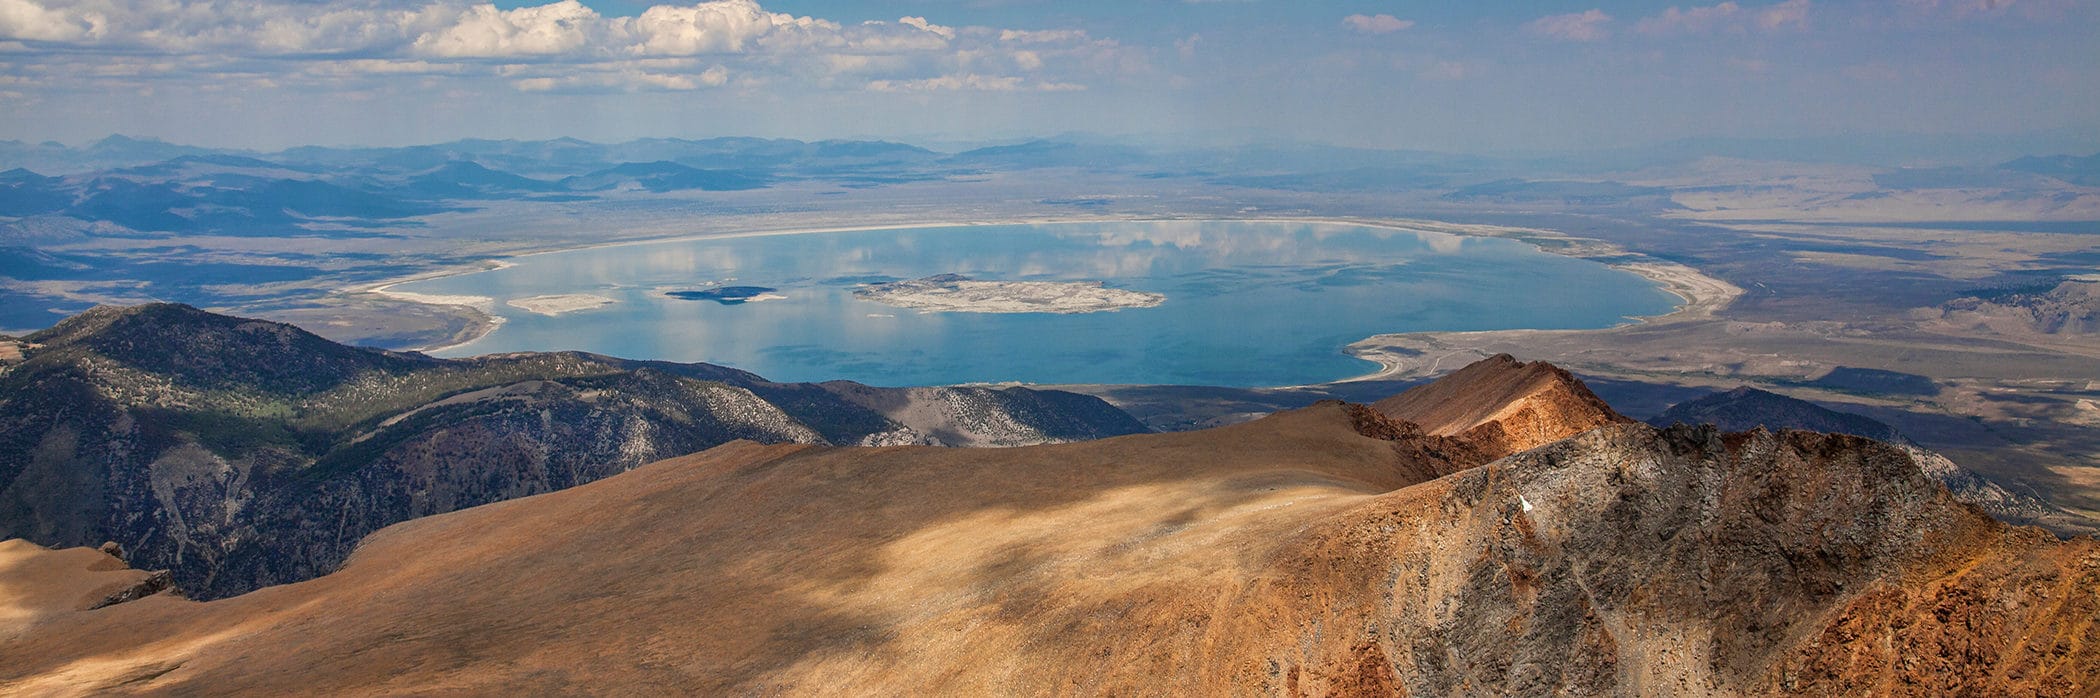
(725, 26)
(1726, 17)
(1376, 24)
(928, 27)
(28, 20)
(256, 28)
(1576, 26)
(484, 31)
(578, 47)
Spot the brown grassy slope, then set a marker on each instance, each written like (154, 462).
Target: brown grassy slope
(1285, 556)
(1503, 405)
(718, 570)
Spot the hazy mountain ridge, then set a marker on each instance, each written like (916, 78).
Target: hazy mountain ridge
(101, 223)
(1328, 550)
(241, 453)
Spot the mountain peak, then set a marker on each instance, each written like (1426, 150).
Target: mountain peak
(201, 348)
(1503, 405)
(1744, 408)
(118, 139)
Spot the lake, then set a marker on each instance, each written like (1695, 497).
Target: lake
(1246, 303)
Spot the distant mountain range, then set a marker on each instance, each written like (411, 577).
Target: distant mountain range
(155, 187)
(240, 453)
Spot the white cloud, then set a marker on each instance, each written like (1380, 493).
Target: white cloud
(1577, 26)
(29, 20)
(486, 32)
(1726, 17)
(1376, 24)
(929, 27)
(722, 26)
(558, 46)
(1047, 36)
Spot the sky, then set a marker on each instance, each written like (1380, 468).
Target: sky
(1476, 77)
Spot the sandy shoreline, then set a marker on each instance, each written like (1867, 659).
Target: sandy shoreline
(1704, 296)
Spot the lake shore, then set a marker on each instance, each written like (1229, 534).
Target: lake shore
(1424, 354)
(1703, 296)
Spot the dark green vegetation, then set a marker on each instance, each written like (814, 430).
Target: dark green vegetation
(241, 453)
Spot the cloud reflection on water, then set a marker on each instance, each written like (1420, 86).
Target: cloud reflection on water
(1248, 303)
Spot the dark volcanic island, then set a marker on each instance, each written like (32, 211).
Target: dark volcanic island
(726, 295)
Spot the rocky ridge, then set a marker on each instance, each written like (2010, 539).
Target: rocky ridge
(1503, 405)
(241, 453)
(1746, 408)
(1334, 550)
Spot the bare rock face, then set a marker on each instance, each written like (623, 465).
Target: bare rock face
(1503, 405)
(153, 583)
(1334, 550)
(1745, 408)
(2071, 308)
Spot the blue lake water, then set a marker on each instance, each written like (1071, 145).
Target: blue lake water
(1247, 303)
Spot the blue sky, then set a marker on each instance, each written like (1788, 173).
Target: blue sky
(1458, 76)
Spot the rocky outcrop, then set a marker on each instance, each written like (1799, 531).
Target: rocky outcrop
(153, 583)
(239, 453)
(1311, 552)
(2071, 308)
(1503, 405)
(1746, 408)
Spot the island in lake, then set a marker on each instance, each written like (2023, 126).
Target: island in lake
(561, 303)
(728, 295)
(962, 294)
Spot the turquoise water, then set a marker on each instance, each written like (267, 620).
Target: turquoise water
(1248, 303)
